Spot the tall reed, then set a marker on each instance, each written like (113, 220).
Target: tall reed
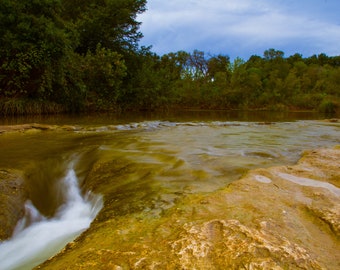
(29, 107)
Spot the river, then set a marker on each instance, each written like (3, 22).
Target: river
(167, 156)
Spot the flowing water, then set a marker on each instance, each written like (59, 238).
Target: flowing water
(36, 237)
(156, 162)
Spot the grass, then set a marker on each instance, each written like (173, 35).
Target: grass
(29, 107)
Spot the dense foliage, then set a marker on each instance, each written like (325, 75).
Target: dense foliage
(69, 53)
(58, 55)
(270, 82)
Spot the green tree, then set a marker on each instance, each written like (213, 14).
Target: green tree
(272, 54)
(103, 73)
(198, 65)
(110, 23)
(237, 93)
(34, 42)
(67, 51)
(218, 64)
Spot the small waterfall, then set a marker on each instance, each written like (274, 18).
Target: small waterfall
(37, 238)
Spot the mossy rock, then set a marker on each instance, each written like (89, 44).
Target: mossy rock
(261, 221)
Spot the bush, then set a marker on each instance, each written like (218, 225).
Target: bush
(327, 107)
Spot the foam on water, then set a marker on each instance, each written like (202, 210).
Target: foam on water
(37, 238)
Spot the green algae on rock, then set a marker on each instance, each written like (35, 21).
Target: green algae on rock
(274, 223)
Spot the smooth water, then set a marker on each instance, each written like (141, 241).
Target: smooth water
(153, 163)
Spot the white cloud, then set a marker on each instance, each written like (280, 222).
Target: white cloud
(238, 26)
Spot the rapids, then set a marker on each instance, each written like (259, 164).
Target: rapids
(160, 161)
(36, 238)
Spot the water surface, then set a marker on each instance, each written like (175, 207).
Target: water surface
(153, 163)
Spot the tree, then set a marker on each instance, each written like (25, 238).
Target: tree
(198, 64)
(47, 48)
(103, 72)
(294, 58)
(272, 54)
(34, 41)
(218, 64)
(110, 23)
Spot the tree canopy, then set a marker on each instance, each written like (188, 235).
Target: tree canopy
(84, 55)
(49, 49)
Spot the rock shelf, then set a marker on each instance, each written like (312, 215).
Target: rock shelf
(285, 217)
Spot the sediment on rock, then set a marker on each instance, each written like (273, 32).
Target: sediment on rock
(35, 127)
(283, 217)
(12, 201)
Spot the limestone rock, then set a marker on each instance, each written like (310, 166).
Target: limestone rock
(12, 199)
(285, 217)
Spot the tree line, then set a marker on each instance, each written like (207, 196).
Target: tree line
(83, 55)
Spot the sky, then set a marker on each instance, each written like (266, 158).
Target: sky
(241, 28)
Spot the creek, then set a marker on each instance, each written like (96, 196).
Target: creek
(166, 160)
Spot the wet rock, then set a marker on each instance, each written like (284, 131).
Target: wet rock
(332, 120)
(12, 199)
(43, 126)
(70, 128)
(26, 128)
(285, 217)
(34, 128)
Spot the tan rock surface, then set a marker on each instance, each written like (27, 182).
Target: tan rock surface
(277, 218)
(34, 127)
(12, 199)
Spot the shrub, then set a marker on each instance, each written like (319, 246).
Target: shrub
(327, 107)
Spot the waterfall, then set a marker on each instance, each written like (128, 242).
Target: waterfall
(37, 238)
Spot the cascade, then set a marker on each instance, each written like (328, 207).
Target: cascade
(37, 238)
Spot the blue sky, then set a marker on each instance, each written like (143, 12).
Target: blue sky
(241, 28)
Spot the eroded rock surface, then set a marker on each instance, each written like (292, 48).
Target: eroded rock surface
(12, 199)
(276, 218)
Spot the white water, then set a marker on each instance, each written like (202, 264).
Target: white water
(42, 238)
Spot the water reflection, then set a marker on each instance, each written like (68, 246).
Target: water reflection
(174, 116)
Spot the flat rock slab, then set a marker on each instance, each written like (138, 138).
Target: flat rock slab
(285, 217)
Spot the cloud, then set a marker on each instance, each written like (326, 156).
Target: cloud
(241, 27)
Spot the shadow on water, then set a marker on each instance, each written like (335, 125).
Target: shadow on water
(43, 181)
